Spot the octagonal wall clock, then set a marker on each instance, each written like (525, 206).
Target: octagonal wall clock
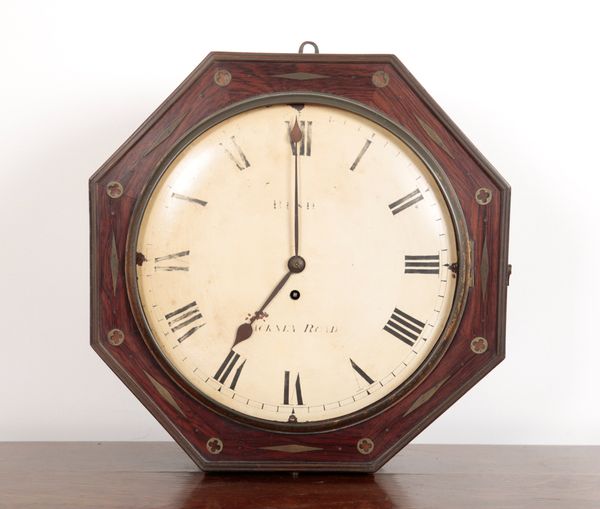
(298, 262)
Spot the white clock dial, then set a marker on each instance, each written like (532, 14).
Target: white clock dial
(218, 231)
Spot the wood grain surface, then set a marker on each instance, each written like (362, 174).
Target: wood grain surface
(160, 476)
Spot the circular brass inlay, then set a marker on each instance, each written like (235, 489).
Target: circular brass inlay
(380, 79)
(479, 345)
(365, 446)
(222, 77)
(114, 189)
(214, 445)
(115, 337)
(483, 196)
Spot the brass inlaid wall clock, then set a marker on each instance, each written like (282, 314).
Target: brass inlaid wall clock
(298, 262)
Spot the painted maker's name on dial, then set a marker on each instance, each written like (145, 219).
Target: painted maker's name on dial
(306, 328)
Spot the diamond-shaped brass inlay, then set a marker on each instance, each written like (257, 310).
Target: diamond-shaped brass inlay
(484, 268)
(114, 263)
(293, 448)
(301, 76)
(434, 136)
(166, 132)
(166, 395)
(426, 396)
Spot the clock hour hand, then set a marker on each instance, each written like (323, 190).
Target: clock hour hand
(244, 331)
(296, 137)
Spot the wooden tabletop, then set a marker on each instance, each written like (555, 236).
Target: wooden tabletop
(159, 475)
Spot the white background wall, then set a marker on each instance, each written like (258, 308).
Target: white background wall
(520, 78)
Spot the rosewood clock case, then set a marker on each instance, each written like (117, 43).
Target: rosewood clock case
(474, 344)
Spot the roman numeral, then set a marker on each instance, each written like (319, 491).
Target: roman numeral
(182, 318)
(188, 198)
(361, 372)
(360, 154)
(425, 264)
(174, 256)
(236, 155)
(227, 366)
(305, 145)
(406, 201)
(286, 389)
(404, 327)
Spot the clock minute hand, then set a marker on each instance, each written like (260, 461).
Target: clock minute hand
(296, 137)
(296, 263)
